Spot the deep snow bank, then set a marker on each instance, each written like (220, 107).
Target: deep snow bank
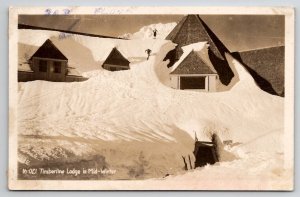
(123, 115)
(90, 51)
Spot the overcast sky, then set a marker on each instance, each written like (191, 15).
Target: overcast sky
(237, 32)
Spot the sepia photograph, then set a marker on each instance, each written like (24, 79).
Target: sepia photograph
(148, 98)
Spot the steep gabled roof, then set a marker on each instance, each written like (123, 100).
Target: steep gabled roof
(115, 57)
(192, 29)
(49, 50)
(194, 64)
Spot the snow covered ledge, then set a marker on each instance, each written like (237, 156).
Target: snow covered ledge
(242, 78)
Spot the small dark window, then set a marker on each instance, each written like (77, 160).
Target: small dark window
(192, 83)
(43, 66)
(57, 67)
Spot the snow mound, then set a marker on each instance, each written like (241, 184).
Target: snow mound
(259, 171)
(90, 52)
(139, 90)
(146, 32)
(131, 116)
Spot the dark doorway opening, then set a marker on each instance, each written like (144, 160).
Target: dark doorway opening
(192, 82)
(205, 153)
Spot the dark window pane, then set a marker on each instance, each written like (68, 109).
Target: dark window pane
(192, 83)
(57, 67)
(43, 66)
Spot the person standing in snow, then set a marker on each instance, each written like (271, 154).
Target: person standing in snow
(148, 51)
(154, 33)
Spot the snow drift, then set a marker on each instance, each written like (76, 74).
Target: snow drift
(90, 52)
(140, 126)
(146, 32)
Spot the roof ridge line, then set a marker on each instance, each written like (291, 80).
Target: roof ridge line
(183, 21)
(119, 51)
(204, 61)
(207, 28)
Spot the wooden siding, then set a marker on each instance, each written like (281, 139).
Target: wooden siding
(49, 75)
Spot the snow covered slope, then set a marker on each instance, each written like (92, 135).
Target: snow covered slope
(135, 122)
(90, 52)
(146, 32)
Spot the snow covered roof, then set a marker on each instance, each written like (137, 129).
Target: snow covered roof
(84, 53)
(194, 60)
(259, 62)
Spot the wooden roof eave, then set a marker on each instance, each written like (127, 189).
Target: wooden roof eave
(53, 59)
